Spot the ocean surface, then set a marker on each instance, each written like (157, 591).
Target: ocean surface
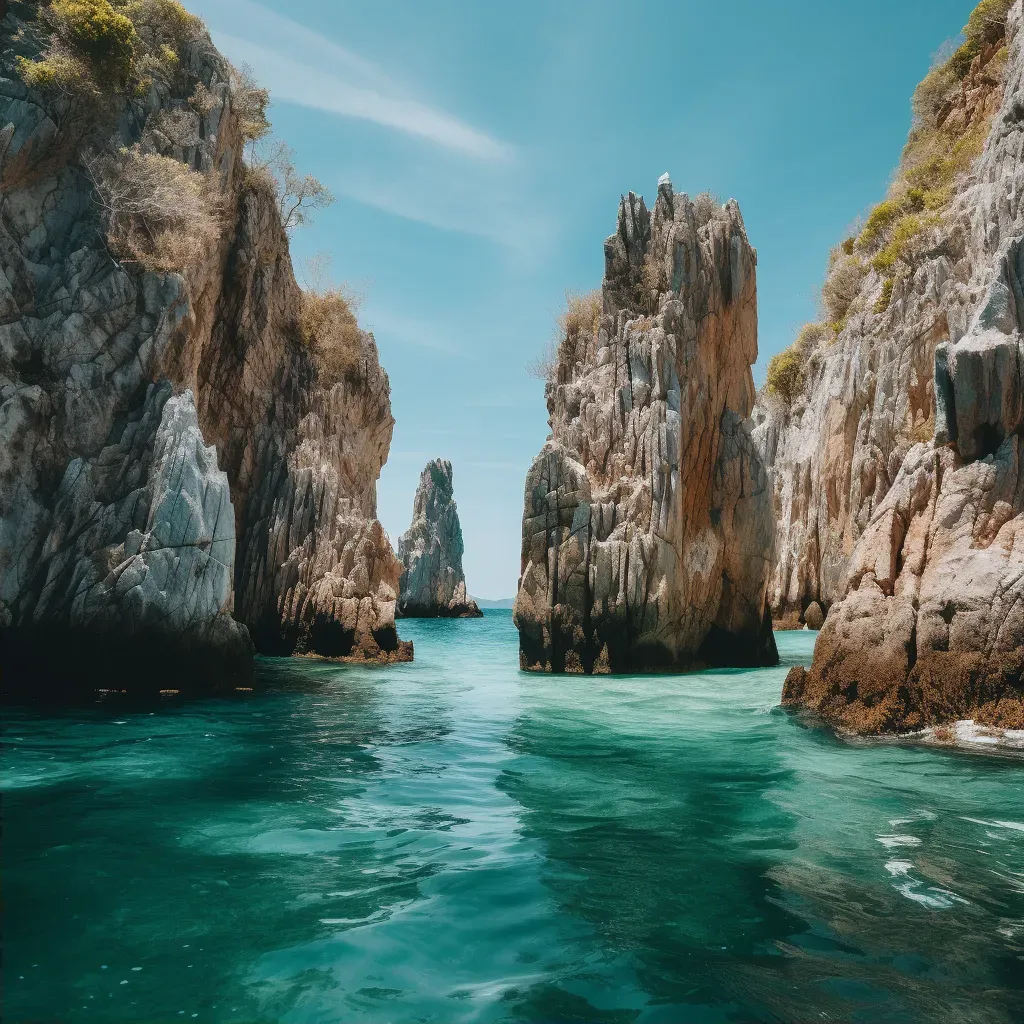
(454, 840)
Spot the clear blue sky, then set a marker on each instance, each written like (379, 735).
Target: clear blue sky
(478, 151)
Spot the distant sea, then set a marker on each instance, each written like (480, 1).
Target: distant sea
(455, 841)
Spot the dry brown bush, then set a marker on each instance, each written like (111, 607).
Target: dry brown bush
(841, 288)
(159, 213)
(706, 206)
(249, 102)
(328, 324)
(297, 195)
(581, 315)
(576, 324)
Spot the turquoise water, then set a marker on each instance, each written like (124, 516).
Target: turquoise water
(452, 841)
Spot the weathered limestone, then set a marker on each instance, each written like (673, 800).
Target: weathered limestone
(928, 629)
(647, 532)
(869, 394)
(433, 584)
(173, 475)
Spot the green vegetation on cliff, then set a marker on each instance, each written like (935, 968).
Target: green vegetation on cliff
(952, 111)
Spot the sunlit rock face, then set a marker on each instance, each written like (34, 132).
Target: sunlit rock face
(175, 480)
(433, 584)
(869, 392)
(647, 531)
(928, 624)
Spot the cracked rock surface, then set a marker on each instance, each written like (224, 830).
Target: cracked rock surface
(175, 480)
(928, 625)
(647, 532)
(869, 395)
(433, 584)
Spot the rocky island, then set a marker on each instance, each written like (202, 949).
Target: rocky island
(647, 527)
(189, 442)
(894, 427)
(433, 584)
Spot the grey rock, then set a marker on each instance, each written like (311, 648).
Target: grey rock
(433, 583)
(174, 477)
(927, 624)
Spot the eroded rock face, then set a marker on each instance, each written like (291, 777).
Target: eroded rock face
(869, 396)
(647, 532)
(930, 625)
(433, 584)
(173, 476)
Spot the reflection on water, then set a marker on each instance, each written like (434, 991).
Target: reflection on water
(452, 840)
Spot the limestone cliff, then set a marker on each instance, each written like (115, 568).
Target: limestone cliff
(923, 542)
(176, 474)
(647, 527)
(433, 584)
(865, 392)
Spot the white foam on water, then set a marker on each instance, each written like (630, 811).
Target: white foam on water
(898, 868)
(891, 842)
(1012, 826)
(934, 898)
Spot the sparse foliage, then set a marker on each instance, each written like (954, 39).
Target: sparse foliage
(178, 127)
(939, 150)
(841, 288)
(706, 207)
(297, 195)
(576, 324)
(328, 324)
(159, 213)
(249, 102)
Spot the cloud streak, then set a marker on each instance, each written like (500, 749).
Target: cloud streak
(301, 67)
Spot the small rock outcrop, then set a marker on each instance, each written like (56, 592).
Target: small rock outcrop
(927, 625)
(647, 527)
(178, 478)
(433, 584)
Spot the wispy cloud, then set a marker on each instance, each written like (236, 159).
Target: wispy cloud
(388, 325)
(425, 165)
(302, 67)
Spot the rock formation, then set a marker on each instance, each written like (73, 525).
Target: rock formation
(926, 624)
(433, 584)
(867, 393)
(647, 532)
(176, 474)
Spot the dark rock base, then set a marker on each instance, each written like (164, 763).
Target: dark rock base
(574, 650)
(60, 665)
(459, 611)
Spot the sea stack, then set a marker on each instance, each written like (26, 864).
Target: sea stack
(433, 584)
(187, 468)
(910, 529)
(647, 526)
